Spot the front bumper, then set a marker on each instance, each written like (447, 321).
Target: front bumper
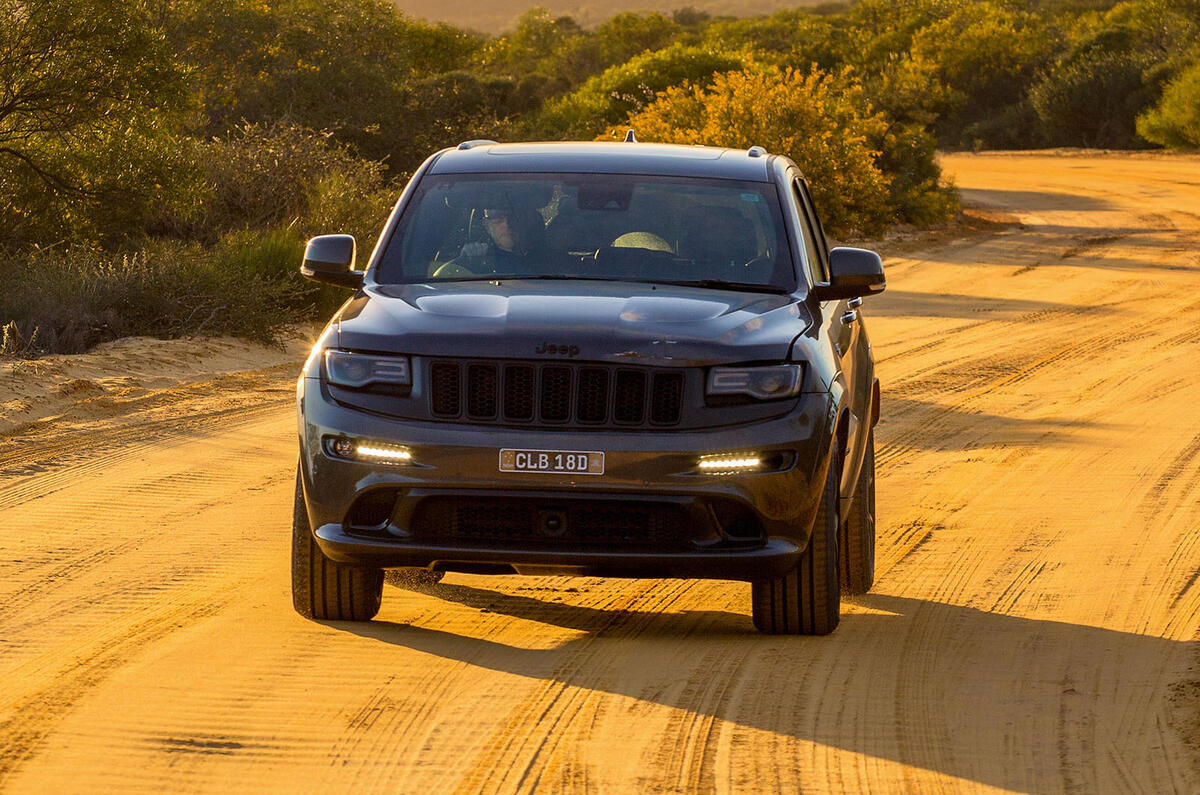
(743, 526)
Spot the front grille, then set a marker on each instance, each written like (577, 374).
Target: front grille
(629, 402)
(445, 389)
(520, 386)
(525, 521)
(482, 391)
(563, 394)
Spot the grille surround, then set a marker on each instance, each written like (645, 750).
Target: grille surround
(555, 394)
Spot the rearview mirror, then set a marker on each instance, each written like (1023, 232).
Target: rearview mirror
(329, 259)
(853, 272)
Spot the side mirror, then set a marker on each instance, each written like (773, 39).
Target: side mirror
(853, 272)
(329, 259)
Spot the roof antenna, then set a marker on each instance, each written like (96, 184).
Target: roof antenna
(630, 138)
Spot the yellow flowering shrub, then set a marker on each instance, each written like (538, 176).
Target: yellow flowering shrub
(819, 120)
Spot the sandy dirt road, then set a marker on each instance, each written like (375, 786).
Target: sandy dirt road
(1032, 629)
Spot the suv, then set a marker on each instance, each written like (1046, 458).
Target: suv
(612, 359)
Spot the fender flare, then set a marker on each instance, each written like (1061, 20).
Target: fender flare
(874, 402)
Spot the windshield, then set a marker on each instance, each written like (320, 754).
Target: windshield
(708, 232)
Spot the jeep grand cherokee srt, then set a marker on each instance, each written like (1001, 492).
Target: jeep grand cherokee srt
(613, 359)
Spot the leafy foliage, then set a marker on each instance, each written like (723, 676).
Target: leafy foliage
(265, 177)
(1175, 121)
(818, 120)
(162, 160)
(1093, 99)
(345, 67)
(985, 55)
(790, 36)
(621, 90)
(90, 105)
(82, 297)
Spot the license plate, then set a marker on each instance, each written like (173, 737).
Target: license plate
(565, 462)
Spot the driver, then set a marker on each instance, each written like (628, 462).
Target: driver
(514, 244)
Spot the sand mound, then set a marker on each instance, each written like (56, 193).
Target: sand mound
(129, 375)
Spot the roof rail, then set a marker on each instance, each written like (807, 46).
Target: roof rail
(630, 138)
(475, 143)
(756, 151)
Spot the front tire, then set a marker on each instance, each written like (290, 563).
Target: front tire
(858, 530)
(807, 600)
(323, 588)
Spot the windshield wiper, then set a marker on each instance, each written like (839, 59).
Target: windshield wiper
(712, 284)
(721, 284)
(561, 277)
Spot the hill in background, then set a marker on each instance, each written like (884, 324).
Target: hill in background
(498, 16)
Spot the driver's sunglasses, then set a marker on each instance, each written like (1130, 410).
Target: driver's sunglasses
(495, 216)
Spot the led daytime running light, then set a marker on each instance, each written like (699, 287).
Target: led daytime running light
(383, 453)
(749, 462)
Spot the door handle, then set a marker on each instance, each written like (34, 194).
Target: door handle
(849, 317)
(854, 303)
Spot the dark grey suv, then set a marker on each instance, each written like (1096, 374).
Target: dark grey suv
(614, 359)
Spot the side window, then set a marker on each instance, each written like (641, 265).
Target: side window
(814, 219)
(816, 262)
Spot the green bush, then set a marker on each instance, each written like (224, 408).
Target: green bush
(614, 42)
(91, 108)
(818, 120)
(1175, 121)
(449, 108)
(68, 301)
(262, 177)
(916, 193)
(272, 255)
(866, 172)
(613, 95)
(342, 67)
(986, 55)
(791, 37)
(1093, 100)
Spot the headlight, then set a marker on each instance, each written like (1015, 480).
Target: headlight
(363, 369)
(764, 383)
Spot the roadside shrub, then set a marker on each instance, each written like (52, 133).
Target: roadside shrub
(916, 193)
(1175, 121)
(337, 204)
(614, 42)
(340, 66)
(91, 104)
(270, 260)
(262, 177)
(449, 108)
(791, 37)
(616, 93)
(272, 255)
(68, 301)
(986, 55)
(1093, 99)
(822, 122)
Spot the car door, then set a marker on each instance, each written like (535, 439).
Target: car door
(844, 328)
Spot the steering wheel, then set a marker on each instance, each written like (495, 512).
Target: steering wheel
(450, 270)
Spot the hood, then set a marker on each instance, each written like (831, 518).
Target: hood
(573, 320)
